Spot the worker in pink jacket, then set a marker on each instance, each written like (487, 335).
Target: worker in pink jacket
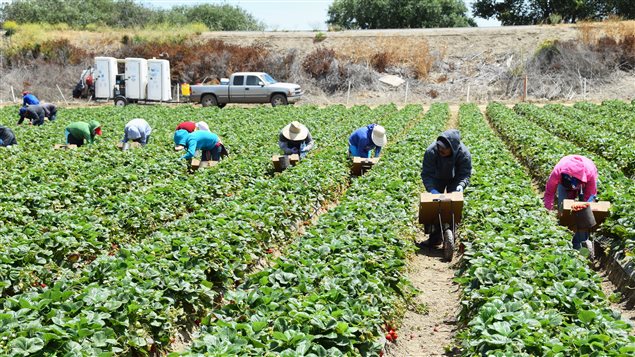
(573, 177)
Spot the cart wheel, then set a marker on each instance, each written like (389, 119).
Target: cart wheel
(121, 101)
(448, 245)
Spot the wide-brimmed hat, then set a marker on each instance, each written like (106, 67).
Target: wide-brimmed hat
(379, 135)
(295, 131)
(201, 125)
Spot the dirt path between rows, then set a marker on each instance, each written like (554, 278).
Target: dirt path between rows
(431, 332)
(453, 123)
(609, 288)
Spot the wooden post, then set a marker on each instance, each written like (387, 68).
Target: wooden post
(13, 94)
(62, 94)
(468, 94)
(405, 100)
(525, 88)
(178, 92)
(348, 94)
(584, 89)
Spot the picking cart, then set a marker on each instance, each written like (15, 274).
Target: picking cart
(444, 210)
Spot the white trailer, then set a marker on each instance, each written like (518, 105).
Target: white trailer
(142, 81)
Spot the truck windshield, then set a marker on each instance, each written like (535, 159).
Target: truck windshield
(269, 79)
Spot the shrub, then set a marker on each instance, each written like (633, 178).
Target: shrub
(10, 27)
(380, 61)
(318, 63)
(319, 37)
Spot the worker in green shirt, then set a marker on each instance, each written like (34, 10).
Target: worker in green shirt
(79, 131)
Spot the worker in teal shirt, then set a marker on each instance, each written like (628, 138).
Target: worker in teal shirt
(208, 142)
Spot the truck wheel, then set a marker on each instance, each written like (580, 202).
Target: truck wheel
(209, 100)
(278, 99)
(121, 101)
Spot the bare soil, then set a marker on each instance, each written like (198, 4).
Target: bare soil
(429, 333)
(628, 314)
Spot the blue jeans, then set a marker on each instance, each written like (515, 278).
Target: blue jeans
(578, 237)
(213, 154)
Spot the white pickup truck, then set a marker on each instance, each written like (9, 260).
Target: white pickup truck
(246, 87)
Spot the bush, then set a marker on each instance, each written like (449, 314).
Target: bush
(319, 37)
(10, 27)
(318, 63)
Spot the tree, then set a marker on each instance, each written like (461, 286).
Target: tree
(386, 14)
(126, 13)
(531, 12)
(217, 17)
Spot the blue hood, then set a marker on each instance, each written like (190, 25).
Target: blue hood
(180, 137)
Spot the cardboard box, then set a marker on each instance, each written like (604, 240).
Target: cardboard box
(444, 204)
(361, 165)
(132, 145)
(600, 212)
(293, 160)
(198, 164)
(64, 147)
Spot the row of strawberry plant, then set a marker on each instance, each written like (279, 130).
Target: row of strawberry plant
(333, 289)
(599, 139)
(608, 116)
(117, 218)
(542, 151)
(525, 291)
(174, 276)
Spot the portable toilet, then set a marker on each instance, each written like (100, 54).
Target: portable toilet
(136, 78)
(159, 87)
(105, 74)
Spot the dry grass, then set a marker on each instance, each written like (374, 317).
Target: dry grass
(592, 32)
(383, 52)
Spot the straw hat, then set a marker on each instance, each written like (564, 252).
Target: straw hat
(379, 135)
(295, 131)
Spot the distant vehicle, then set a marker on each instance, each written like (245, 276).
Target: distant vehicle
(246, 87)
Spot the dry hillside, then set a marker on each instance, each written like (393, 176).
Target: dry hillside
(565, 62)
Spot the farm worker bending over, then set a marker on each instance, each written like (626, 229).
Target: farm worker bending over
(447, 166)
(366, 139)
(35, 114)
(50, 111)
(209, 143)
(295, 138)
(201, 125)
(574, 176)
(137, 130)
(29, 99)
(189, 126)
(7, 137)
(79, 131)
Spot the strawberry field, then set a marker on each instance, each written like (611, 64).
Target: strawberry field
(105, 252)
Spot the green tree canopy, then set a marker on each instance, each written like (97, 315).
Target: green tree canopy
(126, 13)
(386, 14)
(530, 12)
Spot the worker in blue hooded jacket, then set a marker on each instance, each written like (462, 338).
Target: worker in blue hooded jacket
(447, 166)
(208, 142)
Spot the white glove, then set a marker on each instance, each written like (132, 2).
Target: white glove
(459, 188)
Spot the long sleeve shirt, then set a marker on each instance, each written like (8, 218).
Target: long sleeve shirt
(287, 146)
(137, 129)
